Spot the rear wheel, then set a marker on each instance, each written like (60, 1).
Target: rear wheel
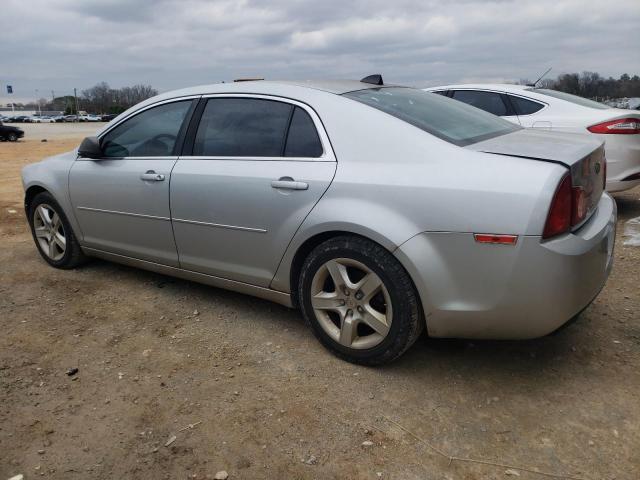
(52, 233)
(359, 301)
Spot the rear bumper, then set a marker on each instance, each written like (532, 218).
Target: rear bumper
(473, 290)
(623, 161)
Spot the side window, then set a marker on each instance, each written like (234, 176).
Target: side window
(302, 140)
(242, 127)
(523, 106)
(440, 92)
(152, 133)
(488, 101)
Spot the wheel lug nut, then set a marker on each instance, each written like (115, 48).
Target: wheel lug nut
(359, 295)
(360, 309)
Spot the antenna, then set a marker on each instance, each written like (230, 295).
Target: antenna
(539, 78)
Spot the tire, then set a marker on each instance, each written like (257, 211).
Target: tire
(377, 300)
(42, 206)
(12, 137)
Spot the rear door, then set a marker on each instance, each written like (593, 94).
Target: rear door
(121, 201)
(256, 168)
(492, 102)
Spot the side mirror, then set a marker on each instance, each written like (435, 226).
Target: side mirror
(90, 148)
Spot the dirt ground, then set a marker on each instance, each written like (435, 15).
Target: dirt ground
(244, 387)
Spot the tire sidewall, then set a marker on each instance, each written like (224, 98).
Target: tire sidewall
(401, 308)
(47, 198)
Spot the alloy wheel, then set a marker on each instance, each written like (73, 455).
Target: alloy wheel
(49, 232)
(351, 303)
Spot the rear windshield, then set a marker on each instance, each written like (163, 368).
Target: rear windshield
(448, 119)
(584, 102)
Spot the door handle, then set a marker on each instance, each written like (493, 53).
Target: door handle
(288, 183)
(151, 176)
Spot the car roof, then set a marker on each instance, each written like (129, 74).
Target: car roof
(506, 87)
(337, 87)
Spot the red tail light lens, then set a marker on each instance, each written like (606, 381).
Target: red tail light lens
(623, 126)
(559, 217)
(580, 205)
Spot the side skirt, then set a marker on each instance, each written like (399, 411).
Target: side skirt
(218, 282)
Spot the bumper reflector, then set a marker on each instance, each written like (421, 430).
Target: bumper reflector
(495, 238)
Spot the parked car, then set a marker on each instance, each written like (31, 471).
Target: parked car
(108, 117)
(376, 210)
(10, 134)
(43, 119)
(554, 110)
(93, 118)
(71, 118)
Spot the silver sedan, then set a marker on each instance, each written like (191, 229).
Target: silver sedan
(378, 210)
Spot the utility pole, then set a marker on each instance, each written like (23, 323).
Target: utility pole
(38, 101)
(75, 95)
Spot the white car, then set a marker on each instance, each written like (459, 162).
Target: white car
(554, 110)
(43, 120)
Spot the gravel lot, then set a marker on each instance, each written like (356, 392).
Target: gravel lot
(245, 388)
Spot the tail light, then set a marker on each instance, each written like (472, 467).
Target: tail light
(560, 213)
(623, 126)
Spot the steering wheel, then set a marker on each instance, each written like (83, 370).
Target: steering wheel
(168, 136)
(156, 146)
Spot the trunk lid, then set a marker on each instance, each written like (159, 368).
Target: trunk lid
(583, 155)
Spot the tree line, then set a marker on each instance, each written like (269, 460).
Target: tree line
(593, 85)
(100, 99)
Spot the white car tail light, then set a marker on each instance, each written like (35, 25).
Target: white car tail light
(623, 126)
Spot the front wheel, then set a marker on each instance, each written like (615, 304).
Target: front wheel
(52, 233)
(359, 301)
(12, 137)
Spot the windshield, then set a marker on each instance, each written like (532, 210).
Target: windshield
(584, 102)
(450, 120)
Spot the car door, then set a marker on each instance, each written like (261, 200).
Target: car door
(492, 102)
(257, 167)
(121, 201)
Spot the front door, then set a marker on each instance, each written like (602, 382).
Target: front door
(258, 168)
(121, 201)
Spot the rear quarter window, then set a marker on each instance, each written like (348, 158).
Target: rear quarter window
(522, 106)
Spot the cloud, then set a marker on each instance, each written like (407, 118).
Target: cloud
(62, 44)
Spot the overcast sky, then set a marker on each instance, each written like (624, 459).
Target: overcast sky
(61, 44)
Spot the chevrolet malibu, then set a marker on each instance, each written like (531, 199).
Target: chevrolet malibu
(378, 210)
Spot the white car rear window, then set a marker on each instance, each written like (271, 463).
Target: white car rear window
(584, 102)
